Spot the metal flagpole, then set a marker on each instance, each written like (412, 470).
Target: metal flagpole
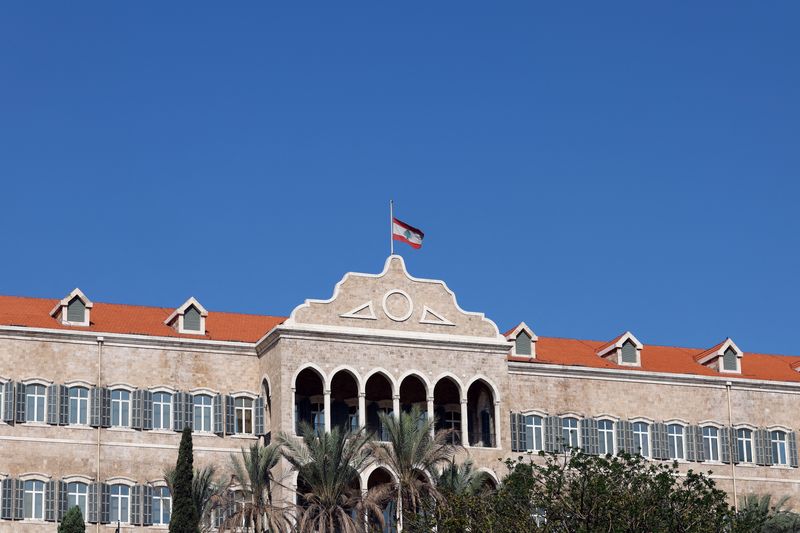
(391, 227)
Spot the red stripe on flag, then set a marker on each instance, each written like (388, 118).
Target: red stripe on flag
(397, 237)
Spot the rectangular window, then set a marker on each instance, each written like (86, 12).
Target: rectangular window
(78, 405)
(162, 506)
(162, 407)
(534, 433)
(120, 408)
(744, 443)
(34, 403)
(33, 500)
(203, 415)
(605, 430)
(569, 432)
(675, 441)
(711, 443)
(641, 438)
(778, 443)
(244, 415)
(120, 503)
(77, 495)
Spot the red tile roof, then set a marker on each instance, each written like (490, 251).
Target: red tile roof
(668, 359)
(135, 319)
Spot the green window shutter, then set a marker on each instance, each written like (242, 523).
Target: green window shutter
(729, 360)
(629, 352)
(552, 434)
(725, 444)
(791, 439)
(50, 501)
(523, 344)
(105, 420)
(19, 499)
(147, 505)
(514, 433)
(76, 310)
(136, 505)
(61, 501)
(700, 452)
(6, 499)
(188, 409)
(758, 439)
(52, 405)
(20, 402)
(178, 412)
(147, 410)
(259, 423)
(8, 402)
(690, 443)
(230, 415)
(91, 504)
(767, 447)
(219, 415)
(191, 319)
(527, 440)
(104, 495)
(63, 405)
(136, 409)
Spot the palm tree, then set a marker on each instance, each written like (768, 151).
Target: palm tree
(328, 467)
(771, 518)
(462, 479)
(415, 454)
(253, 477)
(206, 492)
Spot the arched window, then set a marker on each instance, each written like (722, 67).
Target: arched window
(605, 431)
(744, 445)
(120, 408)
(120, 500)
(711, 443)
(778, 442)
(569, 432)
(162, 505)
(78, 405)
(244, 415)
(729, 360)
(77, 494)
(162, 410)
(191, 319)
(534, 433)
(522, 344)
(675, 441)
(34, 403)
(641, 438)
(203, 413)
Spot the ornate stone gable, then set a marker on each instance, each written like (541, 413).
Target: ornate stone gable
(395, 301)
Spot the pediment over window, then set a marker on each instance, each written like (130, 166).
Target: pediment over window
(523, 341)
(74, 309)
(724, 357)
(393, 300)
(188, 318)
(624, 350)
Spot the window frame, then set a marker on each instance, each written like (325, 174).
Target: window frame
(601, 439)
(535, 421)
(119, 498)
(674, 439)
(775, 446)
(244, 410)
(158, 407)
(158, 495)
(648, 437)
(38, 417)
(34, 495)
(80, 411)
(740, 445)
(77, 495)
(122, 403)
(568, 431)
(200, 409)
(717, 447)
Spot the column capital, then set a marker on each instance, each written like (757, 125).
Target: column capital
(362, 394)
(326, 392)
(395, 396)
(464, 401)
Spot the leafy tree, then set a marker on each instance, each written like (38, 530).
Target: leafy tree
(72, 522)
(328, 466)
(184, 517)
(253, 474)
(207, 492)
(758, 514)
(414, 455)
(458, 479)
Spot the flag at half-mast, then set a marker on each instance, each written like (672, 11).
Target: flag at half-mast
(406, 233)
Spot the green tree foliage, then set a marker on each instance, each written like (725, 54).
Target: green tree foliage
(72, 522)
(414, 454)
(207, 492)
(253, 474)
(757, 513)
(184, 517)
(328, 466)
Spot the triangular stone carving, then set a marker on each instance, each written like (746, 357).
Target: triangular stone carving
(363, 311)
(429, 316)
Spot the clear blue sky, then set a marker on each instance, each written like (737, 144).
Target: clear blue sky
(586, 167)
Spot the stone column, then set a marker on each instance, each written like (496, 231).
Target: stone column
(327, 407)
(362, 409)
(396, 405)
(431, 414)
(464, 424)
(497, 424)
(294, 411)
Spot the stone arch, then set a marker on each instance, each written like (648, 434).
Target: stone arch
(308, 402)
(388, 375)
(343, 386)
(482, 419)
(447, 395)
(414, 391)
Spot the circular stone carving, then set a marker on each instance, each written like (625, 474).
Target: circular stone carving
(398, 318)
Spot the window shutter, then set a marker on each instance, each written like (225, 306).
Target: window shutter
(628, 352)
(147, 410)
(191, 319)
(725, 444)
(20, 402)
(553, 434)
(258, 419)
(767, 448)
(230, 416)
(177, 411)
(95, 411)
(136, 505)
(76, 310)
(791, 437)
(699, 452)
(52, 405)
(136, 409)
(188, 409)
(219, 415)
(19, 502)
(622, 444)
(63, 412)
(92, 507)
(6, 499)
(759, 437)
(656, 452)
(590, 437)
(522, 344)
(8, 402)
(62, 500)
(147, 505)
(105, 503)
(105, 419)
(631, 447)
(514, 433)
(690, 442)
(527, 440)
(50, 501)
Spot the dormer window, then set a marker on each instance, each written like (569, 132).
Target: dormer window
(524, 340)
(188, 318)
(625, 350)
(724, 357)
(73, 310)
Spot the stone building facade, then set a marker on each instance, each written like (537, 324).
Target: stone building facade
(94, 395)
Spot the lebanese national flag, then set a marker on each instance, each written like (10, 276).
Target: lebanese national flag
(408, 234)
